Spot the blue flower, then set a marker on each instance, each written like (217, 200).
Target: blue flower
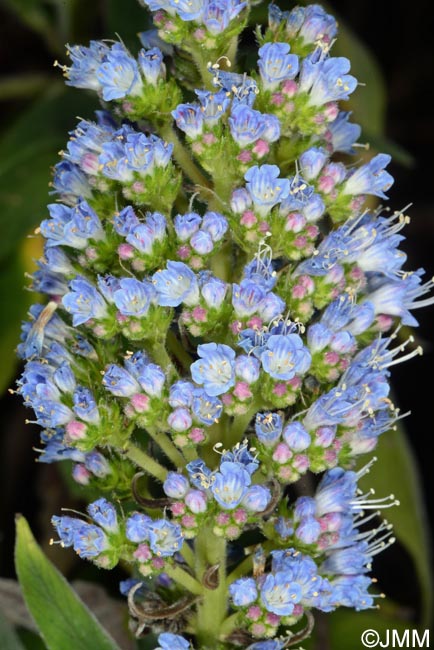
(213, 105)
(97, 464)
(230, 484)
(370, 178)
(243, 88)
(343, 134)
(83, 301)
(175, 285)
(216, 17)
(317, 25)
(165, 538)
(266, 188)
(243, 592)
(247, 298)
(326, 80)
(352, 591)
(188, 10)
(215, 224)
(186, 225)
(70, 182)
(268, 428)
(85, 63)
(276, 64)
(85, 143)
(85, 406)
(152, 378)
(285, 356)
(397, 298)
(279, 594)
(119, 382)
(296, 436)
(215, 369)
(181, 393)
(176, 485)
(66, 528)
(201, 242)
(205, 408)
(213, 290)
(125, 221)
(169, 641)
(104, 514)
(118, 74)
(256, 499)
(137, 527)
(133, 298)
(246, 125)
(64, 377)
(151, 65)
(312, 161)
(189, 119)
(247, 368)
(89, 541)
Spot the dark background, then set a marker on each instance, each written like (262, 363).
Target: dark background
(399, 36)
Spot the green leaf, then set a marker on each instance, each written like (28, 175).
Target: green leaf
(62, 618)
(396, 472)
(9, 639)
(27, 151)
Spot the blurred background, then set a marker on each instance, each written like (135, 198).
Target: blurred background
(390, 48)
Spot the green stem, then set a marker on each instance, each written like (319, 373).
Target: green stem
(166, 445)
(145, 462)
(188, 555)
(183, 157)
(211, 551)
(162, 358)
(184, 579)
(241, 422)
(229, 625)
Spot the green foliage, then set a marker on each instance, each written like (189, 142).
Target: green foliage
(62, 618)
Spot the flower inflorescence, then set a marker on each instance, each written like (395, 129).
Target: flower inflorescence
(223, 313)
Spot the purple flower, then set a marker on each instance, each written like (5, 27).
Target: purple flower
(215, 370)
(296, 437)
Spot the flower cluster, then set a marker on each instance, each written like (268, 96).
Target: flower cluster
(223, 312)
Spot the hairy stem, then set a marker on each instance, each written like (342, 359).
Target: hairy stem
(167, 446)
(145, 462)
(183, 157)
(184, 579)
(210, 551)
